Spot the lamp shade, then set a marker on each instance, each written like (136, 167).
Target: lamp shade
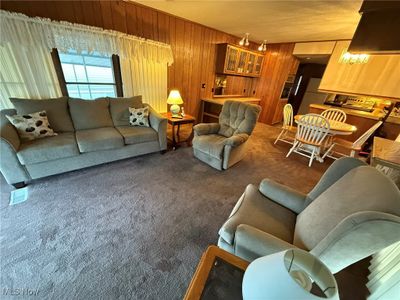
(288, 275)
(174, 97)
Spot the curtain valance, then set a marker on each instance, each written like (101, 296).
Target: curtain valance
(28, 32)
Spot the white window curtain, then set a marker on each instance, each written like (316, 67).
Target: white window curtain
(38, 36)
(146, 78)
(26, 73)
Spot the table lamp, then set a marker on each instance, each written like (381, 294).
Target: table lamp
(289, 275)
(175, 99)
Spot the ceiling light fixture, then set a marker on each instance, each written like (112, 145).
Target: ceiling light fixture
(349, 58)
(263, 46)
(245, 40)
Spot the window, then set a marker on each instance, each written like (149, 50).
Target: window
(88, 76)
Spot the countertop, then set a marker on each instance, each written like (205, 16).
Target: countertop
(377, 114)
(221, 100)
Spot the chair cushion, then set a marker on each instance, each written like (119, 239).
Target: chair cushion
(56, 109)
(211, 144)
(238, 117)
(259, 212)
(136, 135)
(119, 109)
(360, 189)
(49, 148)
(90, 114)
(105, 138)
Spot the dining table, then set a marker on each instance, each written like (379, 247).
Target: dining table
(336, 127)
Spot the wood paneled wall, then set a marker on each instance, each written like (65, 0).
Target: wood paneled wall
(193, 45)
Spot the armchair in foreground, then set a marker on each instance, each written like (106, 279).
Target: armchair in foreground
(352, 212)
(223, 144)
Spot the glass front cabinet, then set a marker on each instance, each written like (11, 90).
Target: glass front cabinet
(233, 60)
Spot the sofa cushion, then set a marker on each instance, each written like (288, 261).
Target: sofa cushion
(49, 148)
(104, 138)
(211, 144)
(56, 109)
(90, 114)
(119, 109)
(136, 135)
(256, 210)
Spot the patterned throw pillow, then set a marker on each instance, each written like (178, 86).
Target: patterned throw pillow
(32, 126)
(139, 116)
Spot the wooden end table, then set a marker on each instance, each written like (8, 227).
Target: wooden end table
(218, 275)
(187, 119)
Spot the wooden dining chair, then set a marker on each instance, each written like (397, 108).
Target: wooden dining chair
(334, 114)
(287, 126)
(352, 147)
(312, 130)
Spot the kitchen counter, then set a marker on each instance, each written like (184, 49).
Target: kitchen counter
(377, 114)
(211, 107)
(221, 100)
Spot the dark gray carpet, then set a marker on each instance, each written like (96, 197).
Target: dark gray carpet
(133, 229)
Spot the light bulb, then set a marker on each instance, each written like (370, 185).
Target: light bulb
(261, 47)
(241, 43)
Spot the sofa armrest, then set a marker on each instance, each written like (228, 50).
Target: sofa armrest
(8, 132)
(10, 166)
(283, 195)
(236, 139)
(159, 124)
(206, 128)
(252, 243)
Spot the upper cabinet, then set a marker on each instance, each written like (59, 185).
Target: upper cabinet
(379, 77)
(233, 60)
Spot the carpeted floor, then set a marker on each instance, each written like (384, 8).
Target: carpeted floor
(133, 229)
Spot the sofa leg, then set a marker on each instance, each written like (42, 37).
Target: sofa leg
(19, 185)
(163, 151)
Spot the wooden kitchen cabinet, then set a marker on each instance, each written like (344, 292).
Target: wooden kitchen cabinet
(379, 77)
(234, 60)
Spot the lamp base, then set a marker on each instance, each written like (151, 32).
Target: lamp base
(175, 111)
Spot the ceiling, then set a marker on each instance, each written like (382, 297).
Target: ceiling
(275, 21)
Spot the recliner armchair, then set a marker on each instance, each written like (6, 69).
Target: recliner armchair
(223, 144)
(353, 212)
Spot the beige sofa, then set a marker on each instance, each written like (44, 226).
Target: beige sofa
(90, 132)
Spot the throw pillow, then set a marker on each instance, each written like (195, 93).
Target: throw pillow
(139, 116)
(32, 126)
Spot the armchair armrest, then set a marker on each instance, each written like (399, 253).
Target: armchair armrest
(283, 195)
(252, 243)
(206, 128)
(237, 139)
(159, 124)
